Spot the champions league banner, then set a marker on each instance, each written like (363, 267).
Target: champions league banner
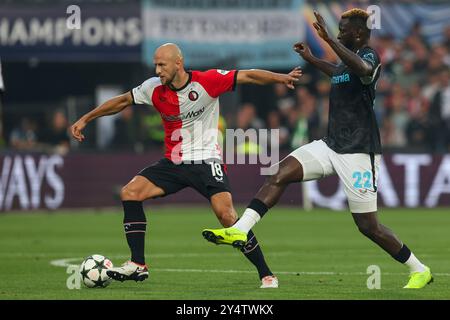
(30, 182)
(242, 34)
(226, 33)
(64, 33)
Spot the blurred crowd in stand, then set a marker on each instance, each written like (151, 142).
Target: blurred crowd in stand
(412, 107)
(412, 102)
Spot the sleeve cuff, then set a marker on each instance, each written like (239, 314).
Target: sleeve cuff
(132, 95)
(235, 80)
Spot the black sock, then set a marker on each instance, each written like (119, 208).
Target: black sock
(258, 206)
(403, 255)
(135, 224)
(253, 252)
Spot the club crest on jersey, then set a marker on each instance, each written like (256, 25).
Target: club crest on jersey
(370, 57)
(193, 95)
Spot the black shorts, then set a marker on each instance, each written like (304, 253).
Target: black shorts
(208, 177)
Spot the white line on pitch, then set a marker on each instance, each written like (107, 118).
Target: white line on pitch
(69, 262)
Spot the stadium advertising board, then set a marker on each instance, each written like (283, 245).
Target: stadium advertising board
(31, 182)
(50, 182)
(229, 33)
(64, 32)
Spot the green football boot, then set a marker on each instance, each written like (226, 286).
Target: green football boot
(231, 236)
(419, 280)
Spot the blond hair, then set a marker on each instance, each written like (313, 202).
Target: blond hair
(358, 18)
(355, 13)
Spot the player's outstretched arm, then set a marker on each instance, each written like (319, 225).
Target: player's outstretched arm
(326, 67)
(111, 106)
(263, 77)
(351, 59)
(348, 57)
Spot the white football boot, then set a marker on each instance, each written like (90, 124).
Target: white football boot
(129, 271)
(269, 282)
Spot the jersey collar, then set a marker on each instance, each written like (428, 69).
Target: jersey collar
(185, 85)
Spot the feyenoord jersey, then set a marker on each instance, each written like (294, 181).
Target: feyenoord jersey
(190, 114)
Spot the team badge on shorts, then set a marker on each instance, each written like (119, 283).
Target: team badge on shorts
(193, 95)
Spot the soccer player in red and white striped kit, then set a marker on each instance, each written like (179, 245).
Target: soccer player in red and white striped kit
(186, 101)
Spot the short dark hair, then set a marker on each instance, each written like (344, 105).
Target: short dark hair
(358, 18)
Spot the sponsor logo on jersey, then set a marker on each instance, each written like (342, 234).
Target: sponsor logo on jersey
(183, 116)
(345, 77)
(193, 114)
(193, 95)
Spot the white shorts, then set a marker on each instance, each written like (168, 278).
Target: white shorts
(355, 170)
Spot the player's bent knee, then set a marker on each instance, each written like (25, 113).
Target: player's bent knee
(369, 230)
(364, 230)
(276, 180)
(128, 194)
(140, 189)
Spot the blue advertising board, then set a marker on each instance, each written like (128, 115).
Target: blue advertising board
(49, 32)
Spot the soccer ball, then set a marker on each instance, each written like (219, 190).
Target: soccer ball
(93, 271)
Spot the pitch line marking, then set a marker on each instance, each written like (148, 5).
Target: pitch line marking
(157, 255)
(66, 262)
(69, 262)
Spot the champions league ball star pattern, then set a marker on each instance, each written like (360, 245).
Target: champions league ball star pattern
(93, 271)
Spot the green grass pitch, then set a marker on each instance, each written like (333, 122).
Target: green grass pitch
(316, 255)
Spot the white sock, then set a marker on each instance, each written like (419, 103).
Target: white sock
(414, 264)
(248, 220)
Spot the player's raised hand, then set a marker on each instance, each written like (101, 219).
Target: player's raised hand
(293, 77)
(76, 129)
(321, 26)
(303, 50)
